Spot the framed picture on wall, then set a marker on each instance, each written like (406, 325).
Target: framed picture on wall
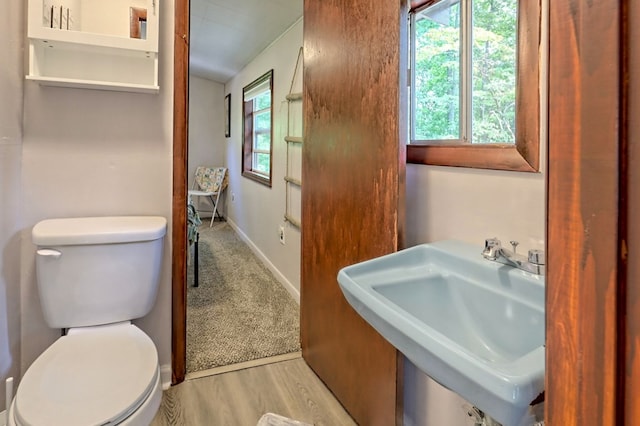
(227, 115)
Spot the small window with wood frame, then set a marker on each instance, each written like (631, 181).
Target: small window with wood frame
(257, 144)
(475, 84)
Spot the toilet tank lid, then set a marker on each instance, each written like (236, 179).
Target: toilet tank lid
(98, 230)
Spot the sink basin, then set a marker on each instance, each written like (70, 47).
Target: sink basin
(474, 326)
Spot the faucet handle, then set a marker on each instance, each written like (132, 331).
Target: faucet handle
(491, 248)
(536, 257)
(492, 242)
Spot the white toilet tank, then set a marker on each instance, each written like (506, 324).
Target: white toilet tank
(98, 270)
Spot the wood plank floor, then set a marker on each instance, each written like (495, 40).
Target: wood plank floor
(240, 398)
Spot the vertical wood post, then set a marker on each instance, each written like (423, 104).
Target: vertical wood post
(583, 205)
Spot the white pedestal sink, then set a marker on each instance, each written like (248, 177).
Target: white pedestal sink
(474, 326)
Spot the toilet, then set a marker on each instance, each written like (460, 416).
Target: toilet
(94, 276)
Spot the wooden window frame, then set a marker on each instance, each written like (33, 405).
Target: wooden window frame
(524, 156)
(248, 134)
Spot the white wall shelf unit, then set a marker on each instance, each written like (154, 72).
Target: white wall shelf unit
(99, 50)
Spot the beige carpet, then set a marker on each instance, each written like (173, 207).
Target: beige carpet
(239, 312)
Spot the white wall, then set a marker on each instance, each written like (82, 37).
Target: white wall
(11, 83)
(473, 204)
(255, 209)
(207, 144)
(90, 152)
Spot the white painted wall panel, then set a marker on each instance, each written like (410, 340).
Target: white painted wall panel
(207, 144)
(11, 86)
(258, 210)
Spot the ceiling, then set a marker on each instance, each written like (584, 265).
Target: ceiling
(227, 34)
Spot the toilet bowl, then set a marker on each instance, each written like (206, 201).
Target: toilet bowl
(105, 375)
(94, 276)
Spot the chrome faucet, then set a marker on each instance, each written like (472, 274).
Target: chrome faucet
(534, 262)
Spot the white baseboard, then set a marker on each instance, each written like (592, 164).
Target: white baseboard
(295, 293)
(165, 376)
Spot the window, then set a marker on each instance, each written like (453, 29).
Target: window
(475, 84)
(257, 146)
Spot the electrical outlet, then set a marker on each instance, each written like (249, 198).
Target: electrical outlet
(281, 234)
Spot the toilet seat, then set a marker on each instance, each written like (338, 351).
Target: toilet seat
(93, 375)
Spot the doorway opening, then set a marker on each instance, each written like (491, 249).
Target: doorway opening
(223, 138)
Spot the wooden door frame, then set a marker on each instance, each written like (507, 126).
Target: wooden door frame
(179, 197)
(631, 328)
(593, 296)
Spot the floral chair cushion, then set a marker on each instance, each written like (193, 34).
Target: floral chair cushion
(211, 179)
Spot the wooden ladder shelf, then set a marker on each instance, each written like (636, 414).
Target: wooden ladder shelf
(292, 181)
